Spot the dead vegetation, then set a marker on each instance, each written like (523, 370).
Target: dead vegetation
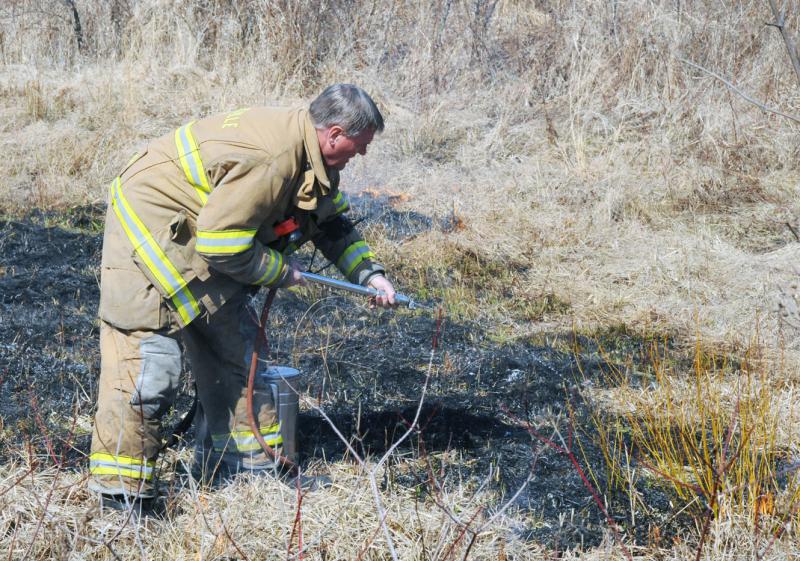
(556, 168)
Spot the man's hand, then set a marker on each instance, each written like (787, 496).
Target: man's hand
(386, 299)
(293, 275)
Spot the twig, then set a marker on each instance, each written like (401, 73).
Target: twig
(464, 530)
(13, 538)
(739, 92)
(413, 424)
(793, 231)
(39, 523)
(105, 544)
(43, 429)
(297, 526)
(369, 542)
(230, 539)
(778, 533)
(18, 480)
(570, 455)
(382, 513)
(780, 21)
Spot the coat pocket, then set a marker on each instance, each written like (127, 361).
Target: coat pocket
(129, 301)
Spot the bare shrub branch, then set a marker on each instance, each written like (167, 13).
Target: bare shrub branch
(739, 92)
(780, 23)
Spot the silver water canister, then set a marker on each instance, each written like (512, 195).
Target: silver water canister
(284, 382)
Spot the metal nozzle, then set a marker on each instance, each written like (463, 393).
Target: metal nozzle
(363, 290)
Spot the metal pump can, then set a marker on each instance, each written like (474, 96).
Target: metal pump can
(284, 382)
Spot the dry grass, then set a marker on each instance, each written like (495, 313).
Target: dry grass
(253, 517)
(594, 180)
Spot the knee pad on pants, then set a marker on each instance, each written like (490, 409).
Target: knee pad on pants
(157, 384)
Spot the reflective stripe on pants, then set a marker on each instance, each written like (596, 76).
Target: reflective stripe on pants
(245, 442)
(122, 466)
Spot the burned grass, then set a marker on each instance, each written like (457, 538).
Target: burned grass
(48, 352)
(365, 369)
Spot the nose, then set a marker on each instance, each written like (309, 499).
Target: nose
(363, 151)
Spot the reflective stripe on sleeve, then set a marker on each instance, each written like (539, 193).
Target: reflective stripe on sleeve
(227, 241)
(123, 466)
(341, 203)
(192, 165)
(352, 256)
(273, 268)
(172, 284)
(245, 441)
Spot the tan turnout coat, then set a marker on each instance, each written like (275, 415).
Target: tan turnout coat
(191, 218)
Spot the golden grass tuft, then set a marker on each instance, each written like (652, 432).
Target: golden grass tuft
(719, 436)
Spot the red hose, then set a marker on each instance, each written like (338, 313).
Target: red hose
(261, 338)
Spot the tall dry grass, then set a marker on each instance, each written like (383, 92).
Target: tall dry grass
(569, 135)
(593, 176)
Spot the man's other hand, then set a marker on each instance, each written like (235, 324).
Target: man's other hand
(294, 274)
(386, 298)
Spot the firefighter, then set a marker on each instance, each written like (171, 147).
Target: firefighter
(190, 231)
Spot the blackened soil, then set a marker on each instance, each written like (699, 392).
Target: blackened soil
(396, 224)
(489, 417)
(48, 349)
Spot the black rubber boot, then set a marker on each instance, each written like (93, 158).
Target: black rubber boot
(309, 482)
(139, 507)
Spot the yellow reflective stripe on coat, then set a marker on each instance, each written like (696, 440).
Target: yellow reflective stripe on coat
(124, 466)
(192, 165)
(245, 441)
(227, 241)
(341, 203)
(273, 267)
(352, 256)
(172, 284)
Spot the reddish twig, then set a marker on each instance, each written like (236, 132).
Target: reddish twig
(39, 523)
(469, 546)
(437, 332)
(371, 539)
(570, 455)
(230, 539)
(674, 480)
(724, 463)
(465, 528)
(297, 527)
(17, 481)
(779, 532)
(42, 428)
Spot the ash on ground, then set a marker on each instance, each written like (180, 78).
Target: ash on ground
(483, 425)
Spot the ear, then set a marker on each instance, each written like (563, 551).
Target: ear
(334, 133)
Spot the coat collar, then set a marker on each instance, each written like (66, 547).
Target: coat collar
(327, 178)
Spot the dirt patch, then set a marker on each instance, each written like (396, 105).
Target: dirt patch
(367, 371)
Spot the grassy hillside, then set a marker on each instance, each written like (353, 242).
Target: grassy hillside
(578, 176)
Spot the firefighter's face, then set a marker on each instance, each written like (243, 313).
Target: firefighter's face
(337, 148)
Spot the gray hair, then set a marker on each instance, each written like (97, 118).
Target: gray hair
(347, 106)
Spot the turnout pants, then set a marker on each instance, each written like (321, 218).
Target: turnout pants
(139, 381)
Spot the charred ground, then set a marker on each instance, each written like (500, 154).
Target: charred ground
(365, 369)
